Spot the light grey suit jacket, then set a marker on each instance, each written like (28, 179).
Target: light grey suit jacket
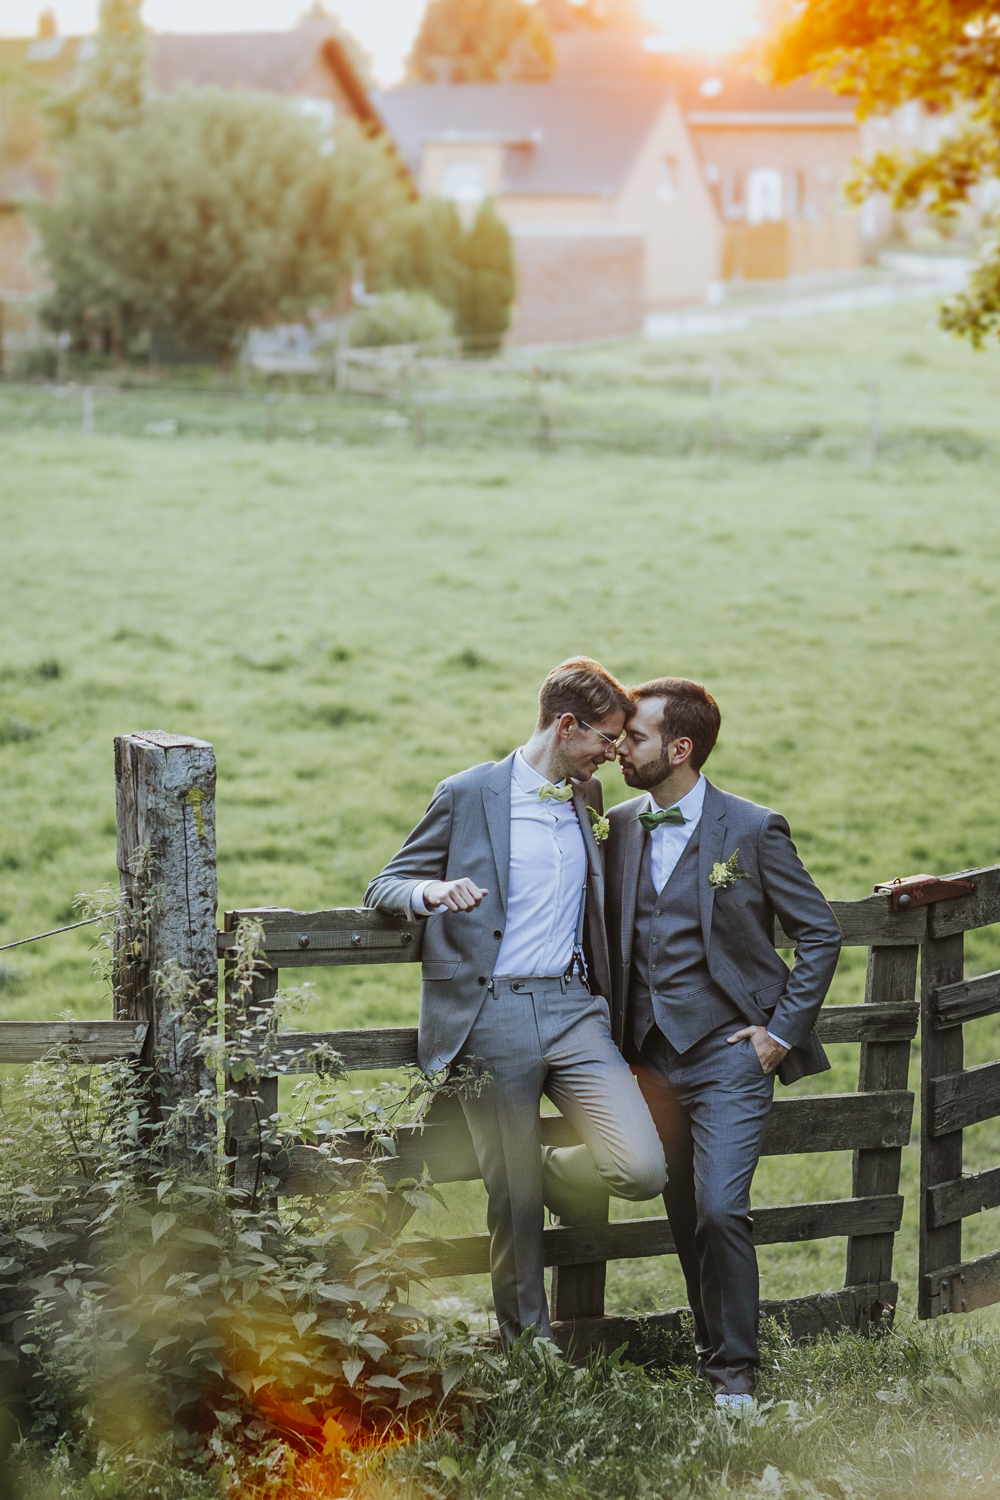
(466, 831)
(737, 922)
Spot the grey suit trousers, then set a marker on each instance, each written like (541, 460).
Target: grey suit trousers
(550, 1036)
(711, 1105)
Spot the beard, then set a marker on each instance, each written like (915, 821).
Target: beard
(642, 778)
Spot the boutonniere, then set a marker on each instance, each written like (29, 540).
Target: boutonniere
(599, 826)
(725, 873)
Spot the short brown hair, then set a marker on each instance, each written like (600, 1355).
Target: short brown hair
(689, 710)
(583, 688)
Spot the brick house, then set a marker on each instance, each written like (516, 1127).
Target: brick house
(637, 179)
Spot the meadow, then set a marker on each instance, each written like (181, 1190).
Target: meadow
(348, 624)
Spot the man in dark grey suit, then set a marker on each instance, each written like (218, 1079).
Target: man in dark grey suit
(505, 867)
(703, 1006)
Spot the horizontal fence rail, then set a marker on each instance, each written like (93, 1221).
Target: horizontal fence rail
(557, 409)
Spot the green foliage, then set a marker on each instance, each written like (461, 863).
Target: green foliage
(114, 83)
(145, 1296)
(470, 272)
(486, 290)
(915, 1413)
(942, 57)
(481, 41)
(424, 251)
(216, 212)
(402, 318)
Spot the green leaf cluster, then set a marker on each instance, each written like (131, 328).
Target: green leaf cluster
(147, 1294)
(943, 55)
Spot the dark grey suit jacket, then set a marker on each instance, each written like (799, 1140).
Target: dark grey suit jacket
(466, 831)
(738, 922)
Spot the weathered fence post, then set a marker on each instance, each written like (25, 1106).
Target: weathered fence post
(891, 980)
(165, 793)
(941, 1052)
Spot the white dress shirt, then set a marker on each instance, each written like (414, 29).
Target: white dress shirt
(668, 841)
(548, 868)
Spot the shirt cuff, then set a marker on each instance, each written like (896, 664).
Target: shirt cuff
(779, 1041)
(417, 904)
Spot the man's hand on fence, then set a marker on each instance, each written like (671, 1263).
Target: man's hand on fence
(456, 895)
(768, 1050)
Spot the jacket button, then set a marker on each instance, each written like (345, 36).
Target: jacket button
(657, 914)
(481, 979)
(498, 933)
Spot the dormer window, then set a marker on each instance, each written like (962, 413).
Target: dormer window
(464, 182)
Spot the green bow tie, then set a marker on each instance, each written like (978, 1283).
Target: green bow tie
(547, 792)
(651, 820)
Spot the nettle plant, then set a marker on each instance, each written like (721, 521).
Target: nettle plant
(145, 1294)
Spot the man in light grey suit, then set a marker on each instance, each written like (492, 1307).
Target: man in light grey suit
(703, 1006)
(505, 868)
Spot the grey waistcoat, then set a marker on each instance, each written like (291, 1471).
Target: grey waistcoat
(671, 984)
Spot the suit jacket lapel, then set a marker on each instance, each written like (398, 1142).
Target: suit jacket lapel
(496, 804)
(635, 837)
(594, 868)
(710, 843)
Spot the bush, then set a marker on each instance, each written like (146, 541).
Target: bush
(157, 1309)
(402, 318)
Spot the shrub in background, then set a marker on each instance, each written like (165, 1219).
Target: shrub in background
(402, 318)
(470, 272)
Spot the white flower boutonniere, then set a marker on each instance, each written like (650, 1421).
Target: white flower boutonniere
(725, 873)
(600, 826)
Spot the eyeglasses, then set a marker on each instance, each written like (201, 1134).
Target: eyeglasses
(605, 737)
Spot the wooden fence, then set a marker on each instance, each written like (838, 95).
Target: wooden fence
(165, 798)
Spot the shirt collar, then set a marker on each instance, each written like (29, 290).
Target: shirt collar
(527, 778)
(690, 804)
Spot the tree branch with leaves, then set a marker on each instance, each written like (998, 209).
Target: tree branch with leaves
(941, 54)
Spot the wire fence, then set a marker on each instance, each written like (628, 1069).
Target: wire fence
(556, 407)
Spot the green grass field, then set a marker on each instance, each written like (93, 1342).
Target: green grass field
(349, 625)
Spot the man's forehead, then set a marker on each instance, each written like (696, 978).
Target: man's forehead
(650, 709)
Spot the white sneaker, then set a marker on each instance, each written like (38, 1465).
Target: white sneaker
(733, 1401)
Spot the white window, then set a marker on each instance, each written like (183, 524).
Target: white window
(667, 191)
(464, 182)
(765, 195)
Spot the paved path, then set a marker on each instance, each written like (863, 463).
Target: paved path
(917, 277)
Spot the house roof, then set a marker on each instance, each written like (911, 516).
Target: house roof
(275, 62)
(705, 85)
(559, 138)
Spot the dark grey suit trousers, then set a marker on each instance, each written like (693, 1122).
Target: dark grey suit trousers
(711, 1106)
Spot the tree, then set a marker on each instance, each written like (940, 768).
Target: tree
(594, 15)
(944, 54)
(487, 285)
(214, 213)
(114, 83)
(481, 41)
(471, 273)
